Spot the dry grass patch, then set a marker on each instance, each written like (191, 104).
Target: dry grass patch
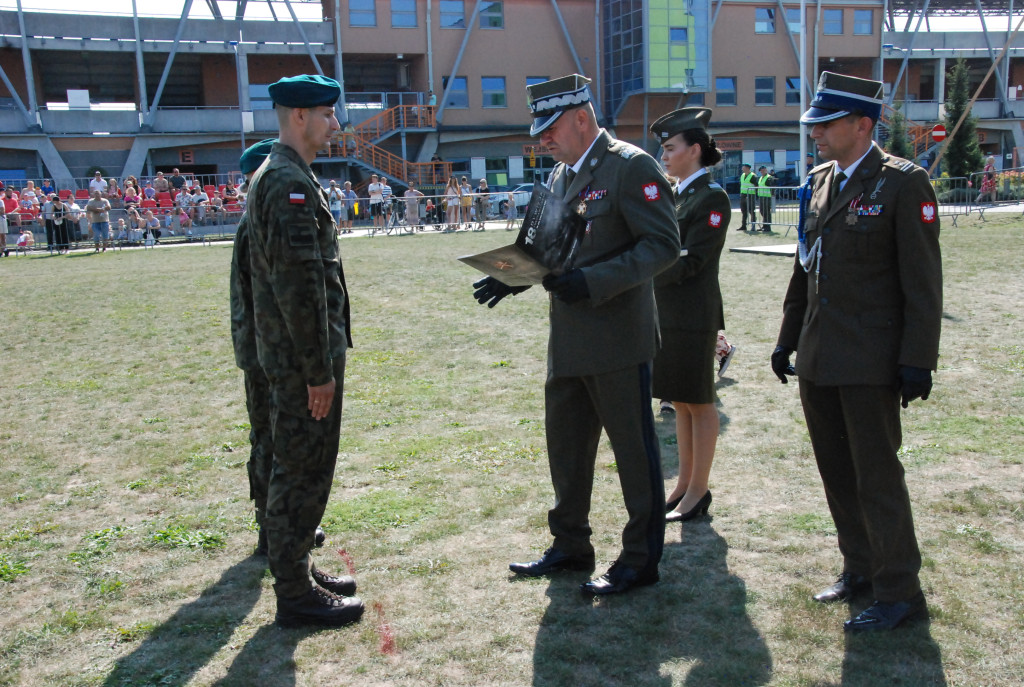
(124, 440)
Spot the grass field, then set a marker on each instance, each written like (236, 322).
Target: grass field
(124, 555)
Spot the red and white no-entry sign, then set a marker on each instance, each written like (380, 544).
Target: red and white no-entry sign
(938, 132)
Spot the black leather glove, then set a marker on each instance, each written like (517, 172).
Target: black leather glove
(781, 365)
(490, 289)
(569, 287)
(915, 382)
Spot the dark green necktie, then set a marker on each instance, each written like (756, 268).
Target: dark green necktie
(837, 182)
(569, 176)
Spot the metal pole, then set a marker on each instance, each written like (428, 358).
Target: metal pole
(170, 60)
(140, 64)
(803, 81)
(241, 111)
(305, 40)
(26, 58)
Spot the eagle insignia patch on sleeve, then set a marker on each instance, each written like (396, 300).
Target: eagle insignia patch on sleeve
(715, 219)
(651, 192)
(927, 212)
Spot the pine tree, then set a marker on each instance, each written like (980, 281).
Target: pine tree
(963, 156)
(898, 143)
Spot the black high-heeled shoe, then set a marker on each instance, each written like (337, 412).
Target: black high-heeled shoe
(671, 505)
(700, 509)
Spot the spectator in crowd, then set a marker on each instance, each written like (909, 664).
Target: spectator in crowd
(31, 194)
(47, 188)
(121, 231)
(466, 204)
(177, 181)
(412, 205)
(114, 194)
(349, 208)
(55, 220)
(988, 182)
(335, 201)
(184, 221)
(230, 191)
(131, 196)
(98, 183)
(453, 201)
(161, 184)
(151, 225)
(376, 191)
(26, 240)
(75, 217)
(149, 192)
(387, 194)
(481, 201)
(216, 208)
(200, 202)
(98, 209)
(511, 212)
(131, 180)
(12, 209)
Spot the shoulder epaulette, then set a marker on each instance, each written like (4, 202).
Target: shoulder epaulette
(714, 184)
(823, 165)
(623, 149)
(899, 163)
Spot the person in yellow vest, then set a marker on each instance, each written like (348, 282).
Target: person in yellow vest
(748, 196)
(765, 181)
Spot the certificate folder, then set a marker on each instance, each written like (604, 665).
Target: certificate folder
(547, 243)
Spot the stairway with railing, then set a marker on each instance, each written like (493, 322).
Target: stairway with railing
(918, 134)
(360, 146)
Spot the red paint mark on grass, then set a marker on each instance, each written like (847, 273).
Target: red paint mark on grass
(384, 631)
(348, 561)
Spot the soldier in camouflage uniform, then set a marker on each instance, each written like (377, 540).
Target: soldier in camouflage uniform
(243, 337)
(301, 311)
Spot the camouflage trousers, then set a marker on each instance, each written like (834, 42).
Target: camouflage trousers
(261, 455)
(305, 453)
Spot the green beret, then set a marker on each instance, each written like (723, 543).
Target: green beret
(254, 155)
(681, 120)
(305, 90)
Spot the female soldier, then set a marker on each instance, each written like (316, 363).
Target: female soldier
(690, 305)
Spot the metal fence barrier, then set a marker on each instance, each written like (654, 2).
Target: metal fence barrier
(994, 189)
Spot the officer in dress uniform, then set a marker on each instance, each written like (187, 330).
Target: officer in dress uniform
(863, 312)
(301, 311)
(604, 334)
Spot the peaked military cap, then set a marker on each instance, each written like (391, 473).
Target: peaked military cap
(305, 90)
(254, 155)
(679, 121)
(839, 95)
(549, 99)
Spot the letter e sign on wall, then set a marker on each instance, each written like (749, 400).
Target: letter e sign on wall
(186, 157)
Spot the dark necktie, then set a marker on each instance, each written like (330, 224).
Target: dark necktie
(837, 182)
(569, 176)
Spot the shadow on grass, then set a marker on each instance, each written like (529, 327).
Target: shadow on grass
(905, 656)
(693, 623)
(183, 644)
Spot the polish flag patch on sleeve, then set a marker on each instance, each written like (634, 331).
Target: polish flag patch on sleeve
(928, 212)
(715, 219)
(651, 192)
(297, 198)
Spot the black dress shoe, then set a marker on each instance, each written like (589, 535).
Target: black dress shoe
(553, 560)
(671, 505)
(619, 578)
(700, 509)
(883, 615)
(847, 586)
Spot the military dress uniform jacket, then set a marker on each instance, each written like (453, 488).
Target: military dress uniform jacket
(688, 295)
(877, 302)
(299, 296)
(631, 236)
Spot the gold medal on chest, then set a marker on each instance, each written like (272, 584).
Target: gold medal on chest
(581, 209)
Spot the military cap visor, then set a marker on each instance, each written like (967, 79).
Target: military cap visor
(678, 121)
(549, 99)
(839, 95)
(254, 155)
(305, 90)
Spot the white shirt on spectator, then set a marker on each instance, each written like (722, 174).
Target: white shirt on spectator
(98, 185)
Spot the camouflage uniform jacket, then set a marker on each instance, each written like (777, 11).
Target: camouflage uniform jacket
(300, 302)
(243, 324)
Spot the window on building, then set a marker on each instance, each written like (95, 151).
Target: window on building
(764, 90)
(492, 15)
(863, 22)
(497, 171)
(259, 97)
(792, 90)
(833, 23)
(459, 96)
(725, 90)
(678, 35)
(403, 14)
(453, 14)
(793, 20)
(362, 13)
(493, 88)
(763, 157)
(764, 20)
